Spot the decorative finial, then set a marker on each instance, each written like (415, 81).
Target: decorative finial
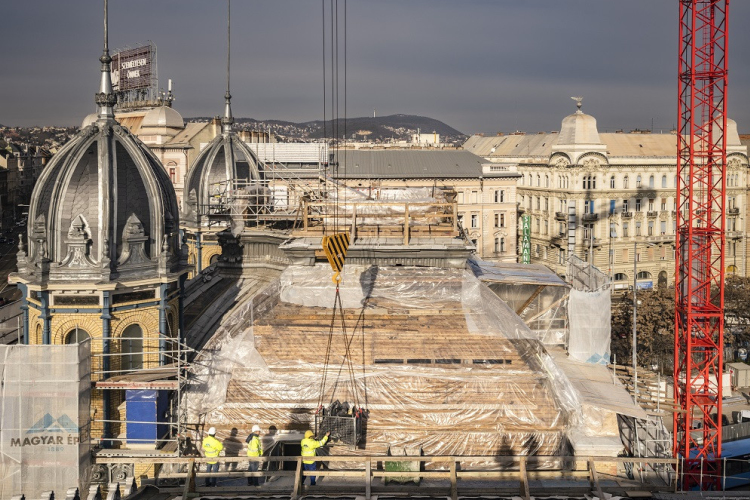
(105, 98)
(579, 103)
(228, 120)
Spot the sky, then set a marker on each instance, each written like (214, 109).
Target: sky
(477, 65)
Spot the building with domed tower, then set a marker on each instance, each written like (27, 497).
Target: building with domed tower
(621, 187)
(104, 259)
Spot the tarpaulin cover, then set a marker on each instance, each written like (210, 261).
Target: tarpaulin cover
(590, 326)
(438, 359)
(45, 392)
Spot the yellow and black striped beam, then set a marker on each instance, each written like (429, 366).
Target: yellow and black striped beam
(335, 247)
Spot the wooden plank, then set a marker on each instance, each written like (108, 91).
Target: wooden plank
(190, 480)
(368, 480)
(525, 494)
(595, 480)
(298, 478)
(530, 299)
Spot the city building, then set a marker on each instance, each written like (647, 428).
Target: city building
(622, 189)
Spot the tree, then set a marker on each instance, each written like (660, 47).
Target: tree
(655, 334)
(736, 311)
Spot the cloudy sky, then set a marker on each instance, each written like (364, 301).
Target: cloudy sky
(478, 65)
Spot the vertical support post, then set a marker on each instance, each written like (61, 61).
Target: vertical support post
(45, 316)
(353, 232)
(304, 215)
(298, 480)
(524, 479)
(406, 224)
(24, 311)
(163, 328)
(181, 306)
(635, 320)
(455, 217)
(198, 252)
(454, 480)
(106, 334)
(190, 480)
(368, 478)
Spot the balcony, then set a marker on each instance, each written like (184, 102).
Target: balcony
(521, 210)
(652, 214)
(627, 215)
(561, 216)
(734, 211)
(559, 240)
(590, 217)
(587, 242)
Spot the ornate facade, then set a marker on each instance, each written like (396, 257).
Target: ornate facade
(622, 190)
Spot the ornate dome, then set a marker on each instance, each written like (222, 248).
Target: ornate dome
(90, 119)
(104, 208)
(578, 128)
(163, 116)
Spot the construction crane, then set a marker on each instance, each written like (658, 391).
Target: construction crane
(700, 240)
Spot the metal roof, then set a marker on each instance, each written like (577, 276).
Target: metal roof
(409, 164)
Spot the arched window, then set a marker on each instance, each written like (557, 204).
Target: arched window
(76, 336)
(132, 348)
(546, 181)
(621, 277)
(625, 182)
(612, 182)
(538, 180)
(644, 275)
(638, 181)
(663, 181)
(651, 182)
(662, 280)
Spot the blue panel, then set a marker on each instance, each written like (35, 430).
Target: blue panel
(147, 406)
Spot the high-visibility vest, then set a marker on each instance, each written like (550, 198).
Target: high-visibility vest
(212, 447)
(309, 445)
(254, 447)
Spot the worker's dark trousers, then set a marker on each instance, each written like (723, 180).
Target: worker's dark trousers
(311, 467)
(211, 481)
(253, 467)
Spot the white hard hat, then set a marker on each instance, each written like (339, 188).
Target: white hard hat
(212, 431)
(256, 428)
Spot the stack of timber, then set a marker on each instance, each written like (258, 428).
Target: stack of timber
(428, 379)
(652, 388)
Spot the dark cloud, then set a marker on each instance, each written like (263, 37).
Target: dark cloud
(478, 65)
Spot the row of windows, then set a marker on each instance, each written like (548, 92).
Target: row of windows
(474, 197)
(499, 220)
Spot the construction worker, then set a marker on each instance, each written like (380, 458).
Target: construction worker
(254, 449)
(211, 449)
(309, 445)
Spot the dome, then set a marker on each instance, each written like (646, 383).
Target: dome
(163, 116)
(89, 120)
(578, 128)
(225, 159)
(104, 208)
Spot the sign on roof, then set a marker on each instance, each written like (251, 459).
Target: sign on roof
(132, 68)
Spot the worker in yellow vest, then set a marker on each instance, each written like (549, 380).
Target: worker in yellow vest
(309, 445)
(254, 449)
(211, 449)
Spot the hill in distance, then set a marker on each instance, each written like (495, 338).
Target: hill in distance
(376, 129)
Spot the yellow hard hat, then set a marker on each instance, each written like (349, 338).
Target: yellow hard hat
(309, 434)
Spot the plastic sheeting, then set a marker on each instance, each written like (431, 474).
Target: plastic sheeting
(590, 326)
(436, 357)
(45, 392)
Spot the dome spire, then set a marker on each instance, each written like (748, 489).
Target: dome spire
(228, 120)
(105, 98)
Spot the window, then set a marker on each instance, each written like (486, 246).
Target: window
(561, 256)
(731, 202)
(651, 182)
(561, 229)
(563, 206)
(473, 198)
(663, 227)
(460, 197)
(589, 182)
(663, 204)
(624, 205)
(650, 204)
(474, 219)
(625, 182)
(76, 336)
(621, 277)
(675, 181)
(588, 207)
(638, 257)
(500, 196)
(644, 275)
(499, 220)
(625, 255)
(637, 204)
(546, 203)
(502, 244)
(538, 226)
(538, 202)
(663, 181)
(536, 250)
(612, 182)
(497, 245)
(538, 180)
(638, 228)
(612, 206)
(638, 181)
(625, 226)
(650, 228)
(546, 181)
(612, 230)
(132, 348)
(173, 175)
(546, 227)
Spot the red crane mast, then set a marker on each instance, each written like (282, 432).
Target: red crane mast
(700, 239)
